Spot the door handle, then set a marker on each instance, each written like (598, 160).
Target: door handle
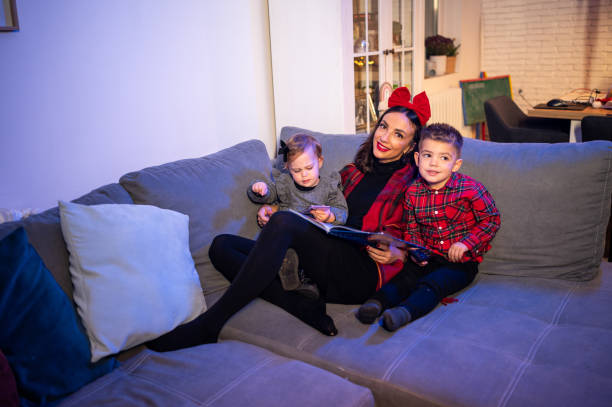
(389, 51)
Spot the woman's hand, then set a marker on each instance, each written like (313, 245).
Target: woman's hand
(386, 254)
(264, 213)
(323, 214)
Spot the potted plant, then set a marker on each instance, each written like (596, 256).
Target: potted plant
(436, 50)
(451, 56)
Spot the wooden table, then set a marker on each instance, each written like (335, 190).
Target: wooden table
(574, 115)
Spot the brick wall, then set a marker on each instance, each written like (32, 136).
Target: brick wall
(549, 48)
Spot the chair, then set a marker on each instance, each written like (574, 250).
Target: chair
(508, 124)
(596, 128)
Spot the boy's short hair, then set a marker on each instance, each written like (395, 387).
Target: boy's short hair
(443, 132)
(299, 143)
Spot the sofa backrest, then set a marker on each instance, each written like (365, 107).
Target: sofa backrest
(555, 205)
(211, 190)
(554, 201)
(45, 233)
(338, 149)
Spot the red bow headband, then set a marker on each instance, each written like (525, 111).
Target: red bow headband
(419, 105)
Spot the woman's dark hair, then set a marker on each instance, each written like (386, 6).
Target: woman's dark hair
(364, 159)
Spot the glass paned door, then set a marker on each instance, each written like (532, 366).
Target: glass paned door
(382, 52)
(366, 92)
(402, 44)
(402, 23)
(366, 62)
(402, 69)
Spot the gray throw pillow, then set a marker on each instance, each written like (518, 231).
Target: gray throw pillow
(554, 201)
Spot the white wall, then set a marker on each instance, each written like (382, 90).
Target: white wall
(92, 90)
(548, 48)
(310, 65)
(461, 20)
(466, 33)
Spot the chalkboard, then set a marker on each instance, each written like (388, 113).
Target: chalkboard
(475, 92)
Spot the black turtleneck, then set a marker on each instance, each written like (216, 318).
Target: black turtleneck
(363, 196)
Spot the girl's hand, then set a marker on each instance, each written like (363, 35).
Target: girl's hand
(385, 254)
(456, 251)
(260, 188)
(264, 213)
(323, 215)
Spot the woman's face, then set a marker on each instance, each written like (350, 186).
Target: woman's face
(393, 137)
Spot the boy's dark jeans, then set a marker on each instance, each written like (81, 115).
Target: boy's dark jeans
(420, 289)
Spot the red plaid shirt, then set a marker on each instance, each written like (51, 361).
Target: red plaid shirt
(461, 211)
(386, 212)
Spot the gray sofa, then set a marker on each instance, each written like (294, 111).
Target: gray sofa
(534, 329)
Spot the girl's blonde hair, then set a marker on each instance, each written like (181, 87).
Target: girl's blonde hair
(298, 143)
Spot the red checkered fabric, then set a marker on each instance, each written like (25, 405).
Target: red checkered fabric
(386, 211)
(462, 211)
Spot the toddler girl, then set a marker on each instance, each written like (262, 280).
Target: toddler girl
(301, 186)
(304, 189)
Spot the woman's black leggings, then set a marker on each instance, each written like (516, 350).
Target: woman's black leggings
(343, 272)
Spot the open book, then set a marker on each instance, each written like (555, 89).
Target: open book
(359, 236)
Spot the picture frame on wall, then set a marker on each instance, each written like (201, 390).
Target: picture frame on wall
(8, 15)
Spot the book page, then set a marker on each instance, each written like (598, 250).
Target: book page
(359, 236)
(325, 226)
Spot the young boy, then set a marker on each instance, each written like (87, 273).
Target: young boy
(449, 213)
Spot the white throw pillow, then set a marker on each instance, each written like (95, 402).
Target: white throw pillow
(133, 275)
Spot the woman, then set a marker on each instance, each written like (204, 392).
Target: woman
(344, 272)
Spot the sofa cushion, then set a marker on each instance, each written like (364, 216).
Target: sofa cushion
(507, 341)
(211, 190)
(223, 374)
(554, 201)
(133, 274)
(40, 335)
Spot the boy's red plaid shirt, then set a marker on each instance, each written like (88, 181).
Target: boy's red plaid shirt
(461, 211)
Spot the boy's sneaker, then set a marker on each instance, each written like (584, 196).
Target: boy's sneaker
(292, 278)
(395, 318)
(369, 311)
